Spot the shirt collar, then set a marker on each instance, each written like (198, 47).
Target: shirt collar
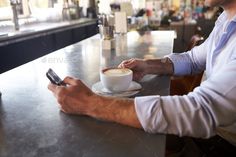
(221, 19)
(234, 18)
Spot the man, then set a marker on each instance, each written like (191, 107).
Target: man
(209, 110)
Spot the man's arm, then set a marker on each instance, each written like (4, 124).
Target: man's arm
(163, 66)
(193, 61)
(141, 67)
(77, 98)
(115, 109)
(197, 114)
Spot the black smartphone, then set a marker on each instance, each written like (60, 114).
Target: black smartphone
(54, 78)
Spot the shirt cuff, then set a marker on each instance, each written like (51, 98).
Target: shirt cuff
(180, 63)
(150, 115)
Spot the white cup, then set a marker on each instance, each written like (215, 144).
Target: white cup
(116, 79)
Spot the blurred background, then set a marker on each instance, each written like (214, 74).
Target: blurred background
(56, 10)
(43, 26)
(142, 14)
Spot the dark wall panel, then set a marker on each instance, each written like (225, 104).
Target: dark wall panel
(16, 54)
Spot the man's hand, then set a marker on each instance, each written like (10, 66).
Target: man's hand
(75, 98)
(141, 67)
(138, 66)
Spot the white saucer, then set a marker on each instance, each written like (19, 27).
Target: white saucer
(133, 89)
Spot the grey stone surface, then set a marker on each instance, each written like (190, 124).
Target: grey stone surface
(31, 124)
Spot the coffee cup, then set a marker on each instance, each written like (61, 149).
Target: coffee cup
(116, 79)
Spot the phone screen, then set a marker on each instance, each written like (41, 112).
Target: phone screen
(54, 78)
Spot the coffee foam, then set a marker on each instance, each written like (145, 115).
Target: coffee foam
(117, 72)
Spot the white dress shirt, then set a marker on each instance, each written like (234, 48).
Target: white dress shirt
(211, 108)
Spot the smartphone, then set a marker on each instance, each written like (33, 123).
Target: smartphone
(54, 78)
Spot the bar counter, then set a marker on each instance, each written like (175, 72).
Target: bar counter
(31, 124)
(29, 31)
(38, 39)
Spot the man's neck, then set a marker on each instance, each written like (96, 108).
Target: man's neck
(230, 9)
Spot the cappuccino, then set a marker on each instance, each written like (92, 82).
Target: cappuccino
(116, 79)
(117, 72)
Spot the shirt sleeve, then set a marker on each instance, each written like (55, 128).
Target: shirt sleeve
(197, 114)
(190, 62)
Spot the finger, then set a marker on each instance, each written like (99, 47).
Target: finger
(131, 64)
(52, 87)
(70, 81)
(61, 108)
(55, 89)
(127, 63)
(122, 64)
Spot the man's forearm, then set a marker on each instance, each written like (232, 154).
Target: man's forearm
(117, 110)
(162, 66)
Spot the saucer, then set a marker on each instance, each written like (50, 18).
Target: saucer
(133, 89)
